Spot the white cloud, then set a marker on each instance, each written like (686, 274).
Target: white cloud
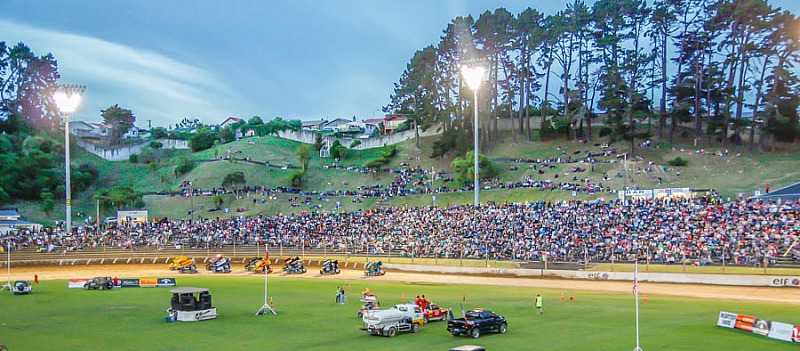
(154, 86)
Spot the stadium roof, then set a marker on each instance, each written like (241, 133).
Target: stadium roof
(790, 193)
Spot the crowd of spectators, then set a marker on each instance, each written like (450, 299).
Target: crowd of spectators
(699, 231)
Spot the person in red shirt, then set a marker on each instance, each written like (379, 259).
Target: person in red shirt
(767, 188)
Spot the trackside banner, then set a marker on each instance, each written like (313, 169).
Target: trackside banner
(129, 283)
(786, 281)
(760, 326)
(77, 283)
(165, 282)
(148, 282)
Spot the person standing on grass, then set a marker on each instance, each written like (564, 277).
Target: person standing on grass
(538, 303)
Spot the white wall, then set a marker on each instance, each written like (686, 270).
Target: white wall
(308, 137)
(123, 153)
(712, 279)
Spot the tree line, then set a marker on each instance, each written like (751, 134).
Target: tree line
(642, 69)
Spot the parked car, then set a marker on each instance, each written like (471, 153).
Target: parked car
(99, 283)
(476, 322)
(432, 312)
(22, 287)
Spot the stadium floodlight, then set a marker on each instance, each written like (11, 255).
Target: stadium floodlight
(473, 74)
(67, 98)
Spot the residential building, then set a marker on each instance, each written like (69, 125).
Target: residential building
(371, 125)
(391, 123)
(10, 221)
(334, 125)
(229, 121)
(314, 124)
(81, 129)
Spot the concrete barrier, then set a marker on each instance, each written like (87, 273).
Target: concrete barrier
(678, 278)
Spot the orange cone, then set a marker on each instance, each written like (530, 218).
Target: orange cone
(645, 298)
(403, 298)
(562, 296)
(270, 302)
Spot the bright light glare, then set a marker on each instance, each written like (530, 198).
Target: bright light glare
(67, 103)
(473, 75)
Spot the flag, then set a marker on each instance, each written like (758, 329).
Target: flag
(463, 313)
(464, 297)
(635, 280)
(451, 314)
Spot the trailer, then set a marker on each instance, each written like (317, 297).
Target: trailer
(190, 305)
(400, 318)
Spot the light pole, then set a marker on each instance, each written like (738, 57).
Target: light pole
(8, 263)
(67, 99)
(474, 75)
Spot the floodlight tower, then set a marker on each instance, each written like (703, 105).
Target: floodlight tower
(67, 98)
(473, 73)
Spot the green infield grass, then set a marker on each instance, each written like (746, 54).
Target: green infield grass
(55, 317)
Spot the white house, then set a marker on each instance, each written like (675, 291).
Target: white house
(371, 125)
(10, 221)
(101, 130)
(228, 121)
(131, 133)
(334, 125)
(81, 129)
(350, 127)
(314, 124)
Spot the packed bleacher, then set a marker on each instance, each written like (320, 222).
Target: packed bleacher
(699, 231)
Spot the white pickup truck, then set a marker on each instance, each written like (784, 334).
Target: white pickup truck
(404, 317)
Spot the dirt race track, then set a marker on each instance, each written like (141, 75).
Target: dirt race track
(763, 294)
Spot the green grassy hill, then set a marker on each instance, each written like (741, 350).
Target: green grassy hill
(741, 171)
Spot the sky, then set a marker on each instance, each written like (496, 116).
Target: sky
(166, 60)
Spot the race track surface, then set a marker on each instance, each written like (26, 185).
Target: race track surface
(762, 294)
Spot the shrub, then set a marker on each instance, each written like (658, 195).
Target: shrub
(296, 178)
(184, 167)
(134, 158)
(376, 163)
(604, 132)
(546, 130)
(678, 162)
(465, 168)
(202, 140)
(355, 143)
(389, 151)
(235, 178)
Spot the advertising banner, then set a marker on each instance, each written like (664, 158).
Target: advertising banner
(129, 283)
(781, 331)
(77, 283)
(726, 319)
(744, 322)
(148, 282)
(786, 281)
(760, 326)
(162, 282)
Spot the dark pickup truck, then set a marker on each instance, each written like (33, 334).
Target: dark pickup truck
(477, 321)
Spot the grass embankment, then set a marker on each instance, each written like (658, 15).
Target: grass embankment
(308, 319)
(729, 175)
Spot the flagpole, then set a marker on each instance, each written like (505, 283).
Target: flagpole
(636, 291)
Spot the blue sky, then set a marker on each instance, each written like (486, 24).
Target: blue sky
(303, 59)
